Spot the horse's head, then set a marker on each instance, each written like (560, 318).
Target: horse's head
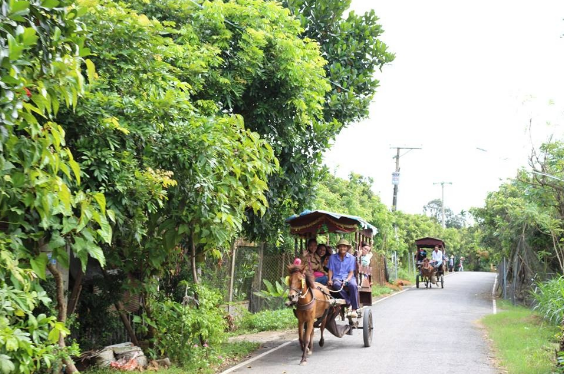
(296, 283)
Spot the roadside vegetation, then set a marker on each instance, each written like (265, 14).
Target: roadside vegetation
(524, 342)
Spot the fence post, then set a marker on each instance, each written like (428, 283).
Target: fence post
(232, 275)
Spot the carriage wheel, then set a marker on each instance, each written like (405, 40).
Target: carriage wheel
(367, 327)
(417, 281)
(442, 281)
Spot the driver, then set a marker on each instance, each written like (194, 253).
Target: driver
(437, 257)
(341, 272)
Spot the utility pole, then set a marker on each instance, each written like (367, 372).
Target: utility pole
(443, 199)
(395, 175)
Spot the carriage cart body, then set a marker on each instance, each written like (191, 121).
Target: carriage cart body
(310, 224)
(423, 277)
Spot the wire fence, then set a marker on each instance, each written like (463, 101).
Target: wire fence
(519, 274)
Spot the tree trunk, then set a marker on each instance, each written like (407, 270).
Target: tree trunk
(62, 313)
(193, 260)
(75, 293)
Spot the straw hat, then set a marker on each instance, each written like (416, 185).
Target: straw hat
(343, 242)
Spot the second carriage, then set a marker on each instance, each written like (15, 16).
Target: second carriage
(422, 276)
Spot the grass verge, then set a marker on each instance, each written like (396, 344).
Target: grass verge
(268, 320)
(524, 342)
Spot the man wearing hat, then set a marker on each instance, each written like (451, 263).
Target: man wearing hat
(341, 272)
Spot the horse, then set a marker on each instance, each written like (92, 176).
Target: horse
(311, 300)
(427, 271)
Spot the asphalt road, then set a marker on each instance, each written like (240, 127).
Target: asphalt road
(417, 331)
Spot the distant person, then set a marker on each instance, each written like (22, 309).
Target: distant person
(460, 266)
(451, 264)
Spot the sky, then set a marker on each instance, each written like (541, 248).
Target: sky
(485, 74)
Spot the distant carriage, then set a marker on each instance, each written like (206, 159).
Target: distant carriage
(425, 270)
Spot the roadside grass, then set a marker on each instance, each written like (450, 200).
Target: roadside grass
(216, 360)
(524, 342)
(268, 320)
(378, 291)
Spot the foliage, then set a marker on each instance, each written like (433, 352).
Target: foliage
(355, 197)
(434, 209)
(354, 51)
(267, 320)
(43, 211)
(276, 290)
(510, 328)
(549, 298)
(28, 341)
(185, 330)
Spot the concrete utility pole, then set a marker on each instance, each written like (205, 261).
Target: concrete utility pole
(395, 175)
(443, 199)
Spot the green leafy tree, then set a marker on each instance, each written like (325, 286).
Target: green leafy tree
(43, 210)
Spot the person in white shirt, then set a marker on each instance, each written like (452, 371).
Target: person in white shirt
(437, 259)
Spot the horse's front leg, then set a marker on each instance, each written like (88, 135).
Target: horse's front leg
(307, 334)
(310, 348)
(301, 333)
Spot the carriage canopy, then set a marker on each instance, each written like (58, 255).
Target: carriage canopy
(310, 223)
(429, 242)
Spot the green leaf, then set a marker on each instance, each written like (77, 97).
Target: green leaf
(49, 3)
(74, 166)
(29, 37)
(39, 264)
(101, 200)
(96, 252)
(90, 71)
(6, 364)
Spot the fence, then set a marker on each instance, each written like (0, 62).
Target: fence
(518, 274)
(253, 265)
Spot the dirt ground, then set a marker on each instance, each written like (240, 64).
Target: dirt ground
(267, 336)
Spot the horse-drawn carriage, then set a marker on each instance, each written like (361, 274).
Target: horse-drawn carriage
(317, 305)
(426, 271)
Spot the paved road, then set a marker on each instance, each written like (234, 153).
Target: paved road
(417, 331)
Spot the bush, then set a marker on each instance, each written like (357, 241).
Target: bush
(268, 320)
(549, 297)
(189, 334)
(28, 340)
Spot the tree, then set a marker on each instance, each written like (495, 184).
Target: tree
(44, 213)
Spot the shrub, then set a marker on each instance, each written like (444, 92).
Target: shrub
(549, 297)
(188, 333)
(268, 320)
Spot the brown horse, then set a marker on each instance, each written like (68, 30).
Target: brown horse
(312, 303)
(427, 271)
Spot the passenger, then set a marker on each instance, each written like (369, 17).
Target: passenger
(341, 276)
(324, 253)
(365, 269)
(313, 263)
(437, 258)
(420, 256)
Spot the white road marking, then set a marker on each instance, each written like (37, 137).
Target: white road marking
(245, 363)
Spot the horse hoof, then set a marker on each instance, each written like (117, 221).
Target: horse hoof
(303, 363)
(309, 353)
(321, 342)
